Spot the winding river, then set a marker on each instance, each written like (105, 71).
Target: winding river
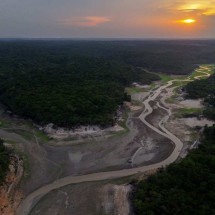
(35, 196)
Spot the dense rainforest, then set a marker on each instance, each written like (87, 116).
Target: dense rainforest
(75, 82)
(168, 56)
(4, 160)
(204, 89)
(182, 188)
(66, 91)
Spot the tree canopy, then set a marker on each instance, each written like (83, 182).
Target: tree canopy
(182, 188)
(65, 90)
(204, 89)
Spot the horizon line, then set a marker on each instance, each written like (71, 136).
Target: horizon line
(104, 38)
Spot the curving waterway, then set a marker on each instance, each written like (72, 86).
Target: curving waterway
(35, 196)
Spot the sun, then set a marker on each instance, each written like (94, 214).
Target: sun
(188, 21)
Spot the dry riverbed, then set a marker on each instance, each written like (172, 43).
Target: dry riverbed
(93, 198)
(52, 159)
(48, 162)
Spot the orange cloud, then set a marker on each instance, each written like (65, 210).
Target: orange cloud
(206, 7)
(87, 21)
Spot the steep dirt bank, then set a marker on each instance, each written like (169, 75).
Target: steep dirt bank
(10, 194)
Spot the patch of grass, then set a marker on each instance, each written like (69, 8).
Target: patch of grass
(25, 134)
(122, 132)
(208, 68)
(123, 124)
(11, 142)
(186, 112)
(173, 97)
(137, 103)
(119, 133)
(132, 90)
(170, 100)
(165, 78)
(42, 136)
(180, 83)
(153, 85)
(26, 166)
(4, 123)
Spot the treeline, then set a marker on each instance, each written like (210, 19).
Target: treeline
(4, 160)
(204, 89)
(173, 56)
(182, 188)
(67, 91)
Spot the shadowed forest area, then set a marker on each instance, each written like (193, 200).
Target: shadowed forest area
(168, 56)
(68, 91)
(72, 83)
(64, 90)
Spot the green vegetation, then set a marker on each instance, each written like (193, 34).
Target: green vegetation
(41, 135)
(26, 166)
(182, 188)
(165, 77)
(4, 123)
(4, 160)
(204, 89)
(25, 134)
(188, 112)
(180, 83)
(185, 187)
(132, 90)
(201, 88)
(206, 68)
(43, 80)
(172, 57)
(71, 83)
(65, 90)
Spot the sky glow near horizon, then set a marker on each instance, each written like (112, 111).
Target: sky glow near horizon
(107, 19)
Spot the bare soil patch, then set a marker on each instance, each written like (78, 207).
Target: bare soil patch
(86, 198)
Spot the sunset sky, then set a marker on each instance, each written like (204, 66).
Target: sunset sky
(107, 18)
